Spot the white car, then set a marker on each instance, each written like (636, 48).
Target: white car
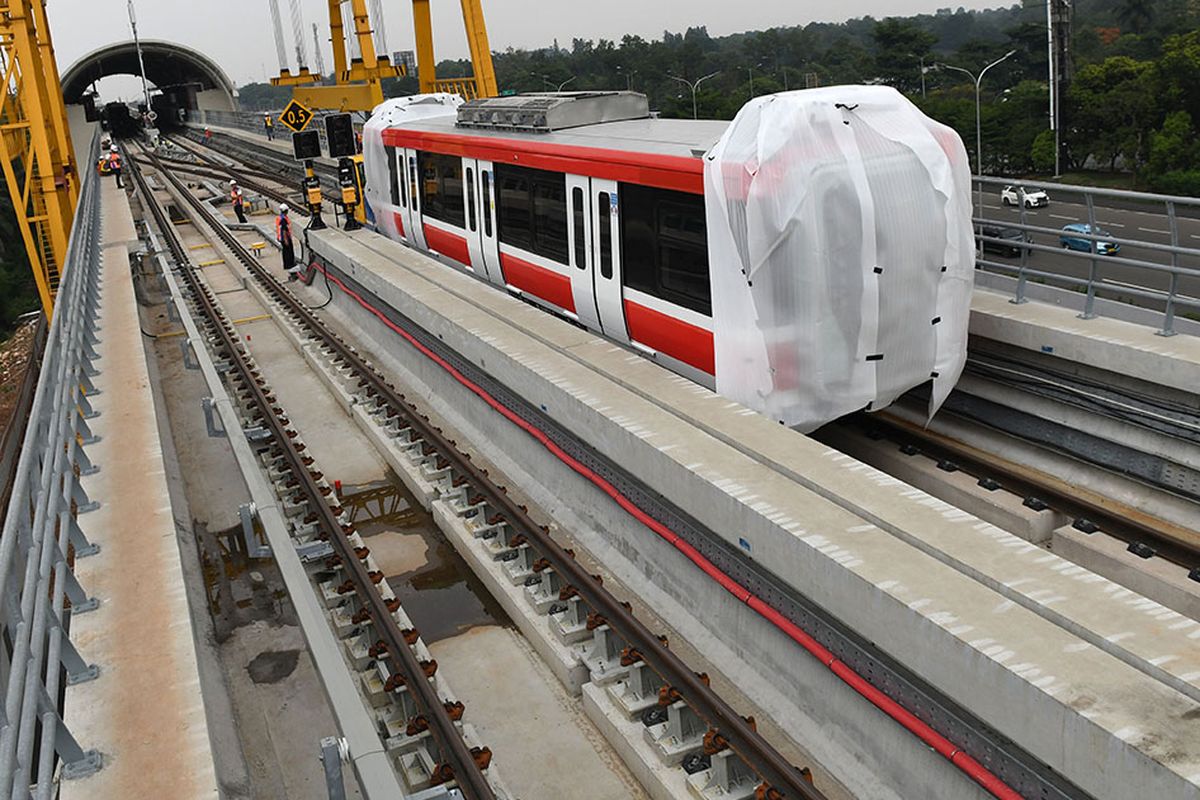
(1032, 198)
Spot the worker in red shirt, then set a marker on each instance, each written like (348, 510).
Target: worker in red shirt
(287, 242)
(238, 201)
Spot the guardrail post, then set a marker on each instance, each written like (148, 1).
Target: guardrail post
(1089, 306)
(1168, 328)
(1021, 279)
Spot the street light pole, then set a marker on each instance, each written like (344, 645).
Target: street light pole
(978, 80)
(694, 86)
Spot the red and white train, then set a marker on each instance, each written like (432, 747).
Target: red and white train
(581, 203)
(602, 223)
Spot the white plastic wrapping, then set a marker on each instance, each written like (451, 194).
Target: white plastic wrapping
(394, 113)
(839, 229)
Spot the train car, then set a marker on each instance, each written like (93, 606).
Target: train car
(587, 206)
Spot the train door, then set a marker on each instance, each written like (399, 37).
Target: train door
(482, 233)
(412, 213)
(606, 258)
(579, 240)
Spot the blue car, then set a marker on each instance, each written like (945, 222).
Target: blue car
(1085, 245)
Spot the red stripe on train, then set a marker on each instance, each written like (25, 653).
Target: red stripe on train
(647, 169)
(544, 283)
(448, 244)
(670, 336)
(399, 220)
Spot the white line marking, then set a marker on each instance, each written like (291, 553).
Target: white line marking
(1152, 230)
(1111, 224)
(1060, 216)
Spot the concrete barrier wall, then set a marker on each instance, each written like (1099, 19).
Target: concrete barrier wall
(1111, 728)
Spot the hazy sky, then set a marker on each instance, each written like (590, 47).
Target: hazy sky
(238, 33)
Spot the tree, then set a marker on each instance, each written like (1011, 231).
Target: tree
(1042, 152)
(900, 46)
(1136, 14)
(1173, 147)
(1113, 107)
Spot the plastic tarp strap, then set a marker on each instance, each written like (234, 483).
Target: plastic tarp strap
(395, 113)
(839, 230)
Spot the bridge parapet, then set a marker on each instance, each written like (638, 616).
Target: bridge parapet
(43, 534)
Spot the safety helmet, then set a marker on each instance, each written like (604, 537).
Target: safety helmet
(233, 183)
(114, 148)
(283, 209)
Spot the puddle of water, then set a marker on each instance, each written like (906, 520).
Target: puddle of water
(444, 598)
(273, 665)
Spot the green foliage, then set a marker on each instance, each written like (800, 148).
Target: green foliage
(18, 294)
(901, 44)
(1178, 182)
(1042, 152)
(1112, 110)
(1173, 148)
(263, 97)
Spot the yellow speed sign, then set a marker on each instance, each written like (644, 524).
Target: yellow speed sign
(296, 116)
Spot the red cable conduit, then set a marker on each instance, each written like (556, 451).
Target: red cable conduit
(960, 759)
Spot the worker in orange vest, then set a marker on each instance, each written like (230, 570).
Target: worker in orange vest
(287, 243)
(238, 201)
(269, 124)
(114, 164)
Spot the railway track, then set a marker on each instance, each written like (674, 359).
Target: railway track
(253, 180)
(777, 778)
(278, 164)
(461, 764)
(1088, 511)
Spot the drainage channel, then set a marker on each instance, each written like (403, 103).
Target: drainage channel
(551, 569)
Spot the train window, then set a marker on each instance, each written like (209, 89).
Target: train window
(578, 206)
(516, 225)
(550, 218)
(604, 220)
(532, 205)
(486, 179)
(393, 177)
(471, 198)
(664, 240)
(442, 188)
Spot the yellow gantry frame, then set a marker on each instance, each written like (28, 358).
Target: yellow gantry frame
(36, 155)
(483, 84)
(359, 82)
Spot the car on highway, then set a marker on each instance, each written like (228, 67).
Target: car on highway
(1071, 239)
(1013, 195)
(1011, 246)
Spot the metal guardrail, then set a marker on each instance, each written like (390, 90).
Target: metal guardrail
(42, 534)
(1098, 279)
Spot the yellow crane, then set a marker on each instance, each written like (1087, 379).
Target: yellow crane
(36, 155)
(359, 82)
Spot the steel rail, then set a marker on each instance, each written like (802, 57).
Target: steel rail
(741, 736)
(246, 177)
(467, 773)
